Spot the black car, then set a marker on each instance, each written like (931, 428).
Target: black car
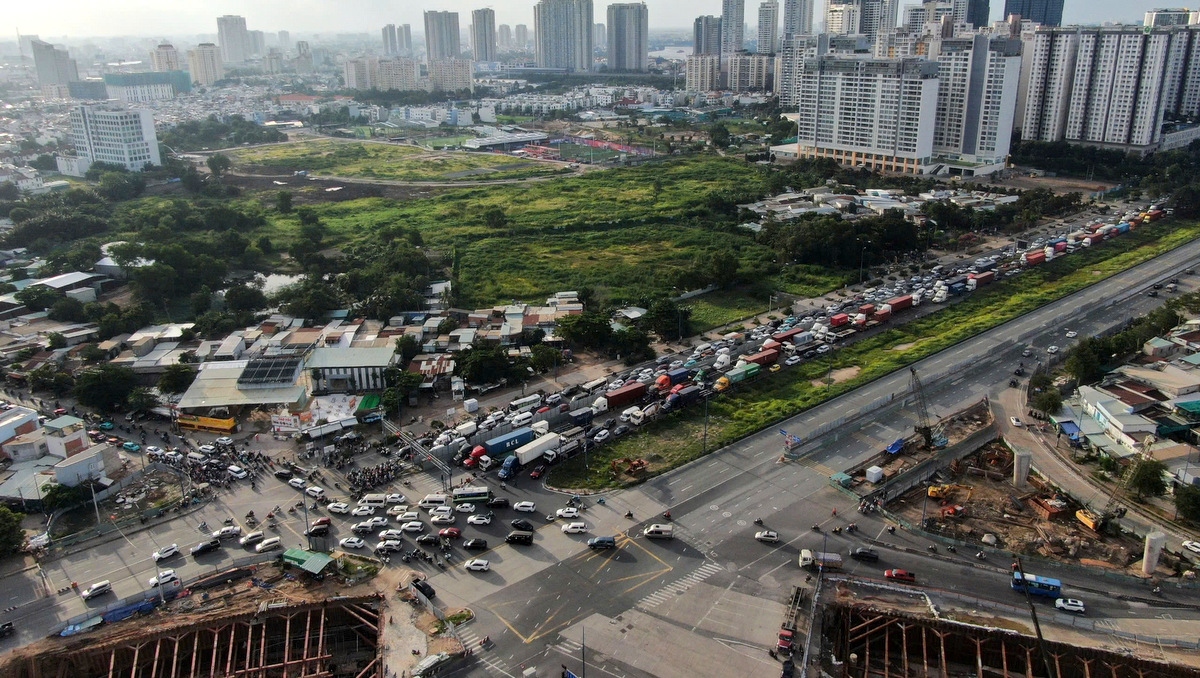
(206, 546)
(283, 474)
(620, 430)
(522, 525)
(608, 423)
(475, 544)
(431, 539)
(519, 537)
(866, 555)
(317, 531)
(497, 502)
(425, 589)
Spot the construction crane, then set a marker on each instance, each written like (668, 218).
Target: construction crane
(922, 427)
(1097, 521)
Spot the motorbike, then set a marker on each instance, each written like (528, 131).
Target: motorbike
(981, 555)
(837, 530)
(629, 515)
(816, 528)
(229, 521)
(932, 548)
(891, 529)
(758, 521)
(273, 525)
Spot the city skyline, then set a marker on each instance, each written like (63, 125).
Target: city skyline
(143, 18)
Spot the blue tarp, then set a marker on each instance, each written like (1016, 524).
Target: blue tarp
(896, 447)
(1070, 428)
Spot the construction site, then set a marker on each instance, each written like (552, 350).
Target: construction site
(272, 625)
(871, 629)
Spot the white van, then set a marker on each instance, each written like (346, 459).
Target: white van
(99, 588)
(659, 531)
(196, 457)
(522, 419)
(174, 455)
(467, 429)
(377, 500)
(315, 492)
(627, 415)
(699, 350)
(268, 545)
(434, 500)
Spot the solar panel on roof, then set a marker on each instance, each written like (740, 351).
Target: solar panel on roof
(269, 370)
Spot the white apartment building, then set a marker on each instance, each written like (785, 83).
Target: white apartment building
(799, 48)
(563, 34)
(768, 27)
(797, 17)
(1171, 17)
(483, 34)
(628, 36)
(402, 73)
(361, 73)
(733, 26)
(451, 75)
(204, 64)
(978, 76)
(234, 39)
(865, 112)
(441, 35)
(749, 72)
(842, 18)
(1108, 86)
(114, 134)
(703, 72)
(164, 58)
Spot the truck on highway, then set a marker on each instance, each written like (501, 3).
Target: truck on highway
(787, 630)
(900, 303)
(977, 280)
(1039, 257)
(737, 375)
(816, 560)
(666, 381)
(683, 398)
(533, 450)
(838, 320)
(643, 415)
(582, 416)
(763, 358)
(496, 447)
(626, 395)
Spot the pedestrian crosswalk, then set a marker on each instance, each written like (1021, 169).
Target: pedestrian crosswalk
(680, 585)
(470, 640)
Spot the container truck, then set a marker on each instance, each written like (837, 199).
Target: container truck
(882, 315)
(791, 615)
(767, 357)
(496, 447)
(1123, 227)
(958, 288)
(582, 416)
(627, 394)
(860, 320)
(737, 375)
(816, 560)
(867, 309)
(839, 320)
(683, 398)
(977, 280)
(900, 303)
(1154, 215)
(1035, 258)
(533, 450)
(787, 336)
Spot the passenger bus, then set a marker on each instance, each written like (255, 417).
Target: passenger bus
(471, 494)
(526, 404)
(1038, 586)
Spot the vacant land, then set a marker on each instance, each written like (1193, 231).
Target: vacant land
(375, 160)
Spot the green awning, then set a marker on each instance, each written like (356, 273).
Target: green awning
(308, 561)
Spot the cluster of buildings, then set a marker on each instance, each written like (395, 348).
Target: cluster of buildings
(853, 203)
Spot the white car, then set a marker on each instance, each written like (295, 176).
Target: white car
(408, 517)
(1070, 605)
(465, 508)
(389, 546)
(315, 492)
(164, 577)
(352, 543)
(601, 436)
(1015, 422)
(224, 440)
(1052, 350)
(413, 526)
(152, 450)
(173, 549)
(479, 519)
(569, 512)
(1193, 546)
(1071, 334)
(298, 483)
(794, 360)
(477, 565)
(396, 498)
(338, 507)
(441, 511)
(391, 534)
(574, 528)
(377, 521)
(207, 449)
(525, 506)
(767, 536)
(237, 472)
(227, 532)
(442, 520)
(397, 510)
(363, 511)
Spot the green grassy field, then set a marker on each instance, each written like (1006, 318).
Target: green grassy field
(585, 153)
(332, 157)
(677, 440)
(722, 307)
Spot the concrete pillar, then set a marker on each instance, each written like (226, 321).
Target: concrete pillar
(1154, 545)
(1021, 463)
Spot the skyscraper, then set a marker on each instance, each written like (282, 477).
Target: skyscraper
(256, 43)
(703, 72)
(733, 26)
(977, 99)
(54, 66)
(977, 12)
(600, 36)
(285, 41)
(231, 35)
(441, 35)
(563, 34)
(164, 58)
(404, 39)
(361, 73)
(706, 35)
(483, 34)
(114, 134)
(521, 36)
(628, 36)
(504, 37)
(1044, 12)
(205, 64)
(843, 18)
(391, 46)
(797, 17)
(768, 26)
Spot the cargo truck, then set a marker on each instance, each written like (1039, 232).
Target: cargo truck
(839, 320)
(496, 447)
(533, 450)
(565, 451)
(683, 398)
(816, 560)
(626, 395)
(867, 309)
(737, 375)
(1035, 258)
(509, 468)
(582, 416)
(673, 377)
(900, 303)
(762, 358)
(787, 631)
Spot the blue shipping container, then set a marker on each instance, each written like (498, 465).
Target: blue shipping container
(508, 441)
(679, 376)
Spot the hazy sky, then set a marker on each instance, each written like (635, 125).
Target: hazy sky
(155, 18)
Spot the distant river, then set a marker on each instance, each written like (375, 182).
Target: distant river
(673, 52)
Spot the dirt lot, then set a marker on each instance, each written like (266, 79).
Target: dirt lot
(1061, 185)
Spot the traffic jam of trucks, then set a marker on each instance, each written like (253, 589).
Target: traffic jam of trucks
(602, 410)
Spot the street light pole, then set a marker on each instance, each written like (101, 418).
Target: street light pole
(861, 257)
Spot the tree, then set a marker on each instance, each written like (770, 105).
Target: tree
(91, 353)
(589, 329)
(218, 164)
(719, 134)
(544, 358)
(67, 309)
(408, 348)
(1147, 478)
(1083, 363)
(245, 298)
(142, 399)
(1048, 401)
(201, 301)
(61, 496)
(38, 297)
(55, 341)
(283, 202)
(12, 536)
(1187, 502)
(105, 387)
(495, 218)
(668, 319)
(176, 379)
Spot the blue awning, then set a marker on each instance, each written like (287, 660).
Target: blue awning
(896, 447)
(1070, 428)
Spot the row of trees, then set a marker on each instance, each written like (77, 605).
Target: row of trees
(211, 133)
